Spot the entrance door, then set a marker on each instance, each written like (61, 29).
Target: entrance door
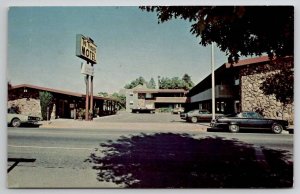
(64, 109)
(237, 106)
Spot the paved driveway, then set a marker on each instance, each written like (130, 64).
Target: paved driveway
(123, 120)
(127, 117)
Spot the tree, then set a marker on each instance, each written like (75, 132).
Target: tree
(188, 80)
(172, 83)
(151, 84)
(281, 84)
(136, 82)
(121, 100)
(46, 102)
(103, 94)
(237, 30)
(242, 31)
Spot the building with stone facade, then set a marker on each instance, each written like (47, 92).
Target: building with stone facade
(238, 89)
(143, 97)
(65, 104)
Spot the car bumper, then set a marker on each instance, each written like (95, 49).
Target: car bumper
(218, 125)
(32, 122)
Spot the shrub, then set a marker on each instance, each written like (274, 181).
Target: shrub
(46, 100)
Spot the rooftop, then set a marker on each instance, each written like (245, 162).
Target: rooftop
(56, 91)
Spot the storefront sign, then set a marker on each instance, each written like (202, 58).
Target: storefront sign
(87, 69)
(86, 49)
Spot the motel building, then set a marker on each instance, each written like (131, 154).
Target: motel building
(143, 97)
(65, 104)
(237, 88)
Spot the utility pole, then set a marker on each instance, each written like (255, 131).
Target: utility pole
(213, 81)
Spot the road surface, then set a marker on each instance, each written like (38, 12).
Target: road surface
(61, 154)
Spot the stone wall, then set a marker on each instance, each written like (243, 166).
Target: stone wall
(252, 97)
(29, 106)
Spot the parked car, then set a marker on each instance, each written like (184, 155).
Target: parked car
(15, 120)
(249, 120)
(178, 110)
(195, 116)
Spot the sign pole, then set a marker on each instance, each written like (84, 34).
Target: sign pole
(86, 49)
(92, 97)
(87, 98)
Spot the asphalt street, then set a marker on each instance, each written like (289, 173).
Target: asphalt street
(61, 154)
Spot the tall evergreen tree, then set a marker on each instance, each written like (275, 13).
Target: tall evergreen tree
(151, 84)
(187, 79)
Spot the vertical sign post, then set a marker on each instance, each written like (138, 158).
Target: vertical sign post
(87, 50)
(92, 97)
(87, 98)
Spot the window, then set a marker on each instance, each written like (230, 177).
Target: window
(131, 94)
(148, 95)
(131, 102)
(237, 81)
(141, 96)
(223, 106)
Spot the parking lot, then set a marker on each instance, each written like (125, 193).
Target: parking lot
(162, 122)
(127, 117)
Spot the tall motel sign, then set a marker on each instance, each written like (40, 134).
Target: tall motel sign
(86, 49)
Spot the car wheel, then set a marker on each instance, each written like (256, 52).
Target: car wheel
(234, 128)
(15, 122)
(277, 128)
(194, 119)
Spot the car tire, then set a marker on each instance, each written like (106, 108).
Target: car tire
(194, 119)
(234, 128)
(277, 128)
(15, 122)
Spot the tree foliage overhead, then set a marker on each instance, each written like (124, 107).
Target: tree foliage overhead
(237, 30)
(281, 83)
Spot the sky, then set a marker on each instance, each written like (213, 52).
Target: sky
(130, 43)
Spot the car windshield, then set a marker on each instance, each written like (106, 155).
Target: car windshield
(12, 111)
(203, 112)
(192, 111)
(254, 115)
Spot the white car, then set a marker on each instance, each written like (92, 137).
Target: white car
(15, 120)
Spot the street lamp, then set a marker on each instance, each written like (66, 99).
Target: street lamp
(213, 81)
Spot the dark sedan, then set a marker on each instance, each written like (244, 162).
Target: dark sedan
(249, 120)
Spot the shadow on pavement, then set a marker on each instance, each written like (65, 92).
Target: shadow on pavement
(29, 125)
(168, 160)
